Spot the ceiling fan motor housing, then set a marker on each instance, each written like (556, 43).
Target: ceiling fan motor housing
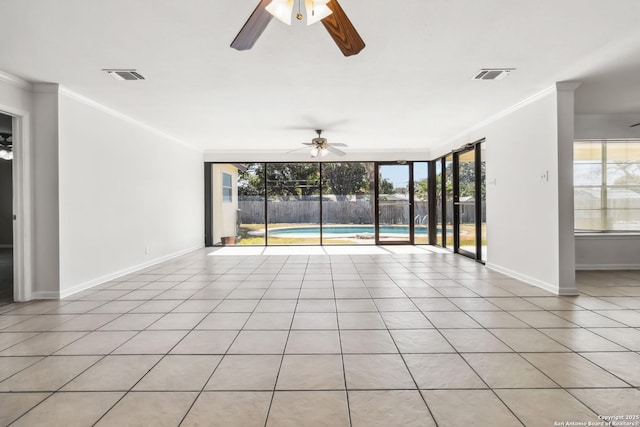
(319, 141)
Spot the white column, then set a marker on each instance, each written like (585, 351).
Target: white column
(566, 236)
(46, 213)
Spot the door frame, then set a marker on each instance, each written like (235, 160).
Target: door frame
(411, 240)
(475, 146)
(22, 203)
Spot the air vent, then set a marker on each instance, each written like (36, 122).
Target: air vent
(493, 73)
(124, 74)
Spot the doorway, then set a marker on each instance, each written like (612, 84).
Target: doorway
(6, 209)
(394, 204)
(469, 196)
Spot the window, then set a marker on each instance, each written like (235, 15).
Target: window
(606, 177)
(227, 188)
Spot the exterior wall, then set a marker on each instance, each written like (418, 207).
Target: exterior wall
(224, 213)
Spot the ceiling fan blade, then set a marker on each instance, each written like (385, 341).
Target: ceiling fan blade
(339, 144)
(335, 151)
(632, 126)
(307, 143)
(342, 30)
(253, 28)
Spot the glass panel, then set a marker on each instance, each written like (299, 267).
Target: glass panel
(588, 220)
(251, 204)
(623, 219)
(467, 201)
(623, 198)
(348, 210)
(623, 151)
(293, 208)
(226, 180)
(448, 187)
(587, 174)
(623, 163)
(587, 152)
(439, 181)
(421, 203)
(483, 198)
(393, 203)
(587, 197)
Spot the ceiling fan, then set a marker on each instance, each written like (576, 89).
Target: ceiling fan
(321, 147)
(329, 12)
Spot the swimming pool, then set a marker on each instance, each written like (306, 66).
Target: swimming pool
(345, 231)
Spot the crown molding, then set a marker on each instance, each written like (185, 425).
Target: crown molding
(515, 107)
(117, 114)
(15, 81)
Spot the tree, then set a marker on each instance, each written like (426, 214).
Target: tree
(344, 179)
(386, 186)
(284, 180)
(293, 179)
(421, 189)
(251, 181)
(628, 173)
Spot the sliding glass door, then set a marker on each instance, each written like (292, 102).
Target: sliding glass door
(469, 201)
(465, 203)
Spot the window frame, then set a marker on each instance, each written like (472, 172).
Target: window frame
(604, 188)
(227, 198)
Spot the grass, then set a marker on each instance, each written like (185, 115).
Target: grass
(248, 239)
(466, 239)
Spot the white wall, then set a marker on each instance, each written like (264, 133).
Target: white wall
(607, 251)
(35, 176)
(607, 126)
(46, 231)
(522, 190)
(224, 213)
(129, 196)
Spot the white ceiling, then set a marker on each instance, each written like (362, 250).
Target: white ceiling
(409, 89)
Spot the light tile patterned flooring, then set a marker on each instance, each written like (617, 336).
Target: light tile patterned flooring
(362, 340)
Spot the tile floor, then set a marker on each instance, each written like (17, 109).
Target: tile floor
(347, 340)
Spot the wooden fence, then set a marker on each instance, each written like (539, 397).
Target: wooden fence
(333, 212)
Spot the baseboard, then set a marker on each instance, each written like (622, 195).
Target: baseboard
(44, 295)
(587, 267)
(107, 277)
(532, 280)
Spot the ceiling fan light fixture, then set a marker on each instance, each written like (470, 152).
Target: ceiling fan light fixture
(314, 152)
(317, 10)
(324, 152)
(281, 10)
(6, 154)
